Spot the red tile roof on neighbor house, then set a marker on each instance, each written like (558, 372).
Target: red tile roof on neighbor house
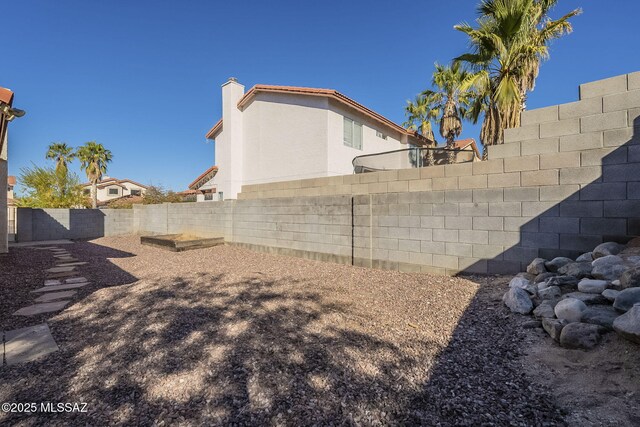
(328, 93)
(11, 180)
(461, 144)
(6, 95)
(113, 181)
(203, 178)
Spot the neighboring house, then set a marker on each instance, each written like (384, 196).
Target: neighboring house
(112, 188)
(279, 133)
(203, 187)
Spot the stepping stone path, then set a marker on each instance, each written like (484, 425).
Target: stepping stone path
(26, 344)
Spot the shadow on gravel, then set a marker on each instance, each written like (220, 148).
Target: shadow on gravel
(196, 350)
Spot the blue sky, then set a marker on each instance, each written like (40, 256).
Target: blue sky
(143, 77)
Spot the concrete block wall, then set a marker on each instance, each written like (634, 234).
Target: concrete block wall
(54, 224)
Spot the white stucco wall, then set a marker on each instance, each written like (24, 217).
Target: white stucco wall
(285, 138)
(103, 193)
(4, 244)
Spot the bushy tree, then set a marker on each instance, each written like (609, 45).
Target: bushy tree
(48, 188)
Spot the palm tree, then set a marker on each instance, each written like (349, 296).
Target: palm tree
(419, 114)
(507, 48)
(93, 159)
(62, 154)
(450, 98)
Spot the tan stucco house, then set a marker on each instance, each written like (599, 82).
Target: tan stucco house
(112, 188)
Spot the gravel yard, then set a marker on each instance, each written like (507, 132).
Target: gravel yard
(229, 336)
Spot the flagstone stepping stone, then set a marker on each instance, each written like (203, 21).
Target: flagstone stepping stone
(52, 296)
(76, 280)
(47, 307)
(60, 287)
(61, 275)
(27, 344)
(66, 259)
(51, 282)
(60, 269)
(71, 264)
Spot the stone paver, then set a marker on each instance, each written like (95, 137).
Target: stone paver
(71, 264)
(76, 280)
(35, 309)
(27, 344)
(52, 282)
(65, 260)
(61, 275)
(52, 296)
(59, 269)
(60, 287)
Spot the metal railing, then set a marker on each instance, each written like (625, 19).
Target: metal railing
(411, 158)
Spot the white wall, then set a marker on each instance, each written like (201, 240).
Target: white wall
(103, 193)
(4, 245)
(339, 155)
(285, 138)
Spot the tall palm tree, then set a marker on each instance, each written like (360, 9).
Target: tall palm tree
(62, 154)
(93, 159)
(451, 100)
(420, 114)
(507, 47)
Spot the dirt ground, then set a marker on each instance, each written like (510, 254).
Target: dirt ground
(227, 336)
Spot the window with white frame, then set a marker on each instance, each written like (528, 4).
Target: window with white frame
(113, 191)
(352, 134)
(136, 192)
(381, 135)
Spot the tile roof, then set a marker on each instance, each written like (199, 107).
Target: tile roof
(11, 180)
(465, 143)
(113, 181)
(6, 95)
(328, 93)
(203, 178)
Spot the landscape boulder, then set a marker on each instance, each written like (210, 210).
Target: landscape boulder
(556, 263)
(607, 248)
(602, 315)
(630, 278)
(551, 292)
(518, 301)
(570, 309)
(537, 267)
(522, 283)
(589, 299)
(543, 277)
(578, 270)
(580, 335)
(553, 327)
(628, 324)
(544, 310)
(634, 243)
(610, 294)
(608, 271)
(586, 257)
(592, 286)
(626, 299)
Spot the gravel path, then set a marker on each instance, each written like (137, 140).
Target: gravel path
(227, 336)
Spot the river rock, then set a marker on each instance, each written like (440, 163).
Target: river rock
(607, 260)
(550, 292)
(580, 335)
(570, 309)
(585, 257)
(563, 281)
(607, 248)
(522, 283)
(615, 284)
(589, 299)
(592, 286)
(626, 299)
(537, 266)
(627, 325)
(544, 310)
(608, 271)
(556, 263)
(630, 278)
(634, 243)
(553, 327)
(602, 315)
(518, 301)
(610, 294)
(543, 277)
(579, 270)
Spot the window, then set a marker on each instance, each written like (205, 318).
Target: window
(113, 191)
(381, 135)
(352, 134)
(220, 196)
(135, 192)
(208, 196)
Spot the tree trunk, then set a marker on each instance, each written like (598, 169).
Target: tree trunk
(94, 195)
(451, 154)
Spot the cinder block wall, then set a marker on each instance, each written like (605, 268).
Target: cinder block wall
(53, 224)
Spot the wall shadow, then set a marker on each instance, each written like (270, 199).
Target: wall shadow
(56, 224)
